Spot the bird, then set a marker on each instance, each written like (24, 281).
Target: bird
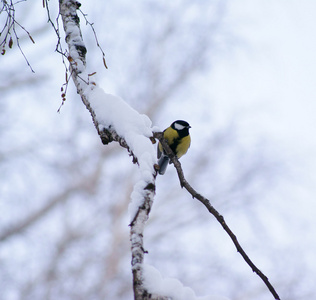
(178, 138)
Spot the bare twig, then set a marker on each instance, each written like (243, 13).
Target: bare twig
(214, 212)
(59, 49)
(95, 36)
(9, 29)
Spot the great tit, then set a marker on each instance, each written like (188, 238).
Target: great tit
(179, 140)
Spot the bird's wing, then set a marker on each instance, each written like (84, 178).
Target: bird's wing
(159, 151)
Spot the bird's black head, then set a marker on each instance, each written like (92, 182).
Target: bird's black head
(181, 126)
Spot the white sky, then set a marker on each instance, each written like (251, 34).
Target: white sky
(274, 73)
(271, 79)
(277, 72)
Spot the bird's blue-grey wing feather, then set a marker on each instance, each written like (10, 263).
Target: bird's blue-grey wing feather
(163, 163)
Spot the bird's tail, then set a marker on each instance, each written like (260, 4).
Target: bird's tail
(163, 163)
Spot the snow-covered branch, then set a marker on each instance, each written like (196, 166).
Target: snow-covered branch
(115, 120)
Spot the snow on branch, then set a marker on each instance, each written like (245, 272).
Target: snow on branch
(155, 283)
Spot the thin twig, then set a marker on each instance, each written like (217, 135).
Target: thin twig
(59, 49)
(214, 212)
(95, 36)
(10, 23)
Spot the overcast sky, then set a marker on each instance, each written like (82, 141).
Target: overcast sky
(270, 78)
(273, 74)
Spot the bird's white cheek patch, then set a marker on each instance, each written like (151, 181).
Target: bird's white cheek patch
(178, 126)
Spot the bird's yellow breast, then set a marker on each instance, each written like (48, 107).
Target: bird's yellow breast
(179, 145)
(170, 135)
(183, 146)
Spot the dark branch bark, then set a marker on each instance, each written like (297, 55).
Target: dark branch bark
(214, 212)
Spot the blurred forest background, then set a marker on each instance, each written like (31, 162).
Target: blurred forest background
(242, 73)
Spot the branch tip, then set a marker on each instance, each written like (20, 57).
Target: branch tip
(213, 211)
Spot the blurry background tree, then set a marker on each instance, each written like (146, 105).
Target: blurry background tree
(64, 196)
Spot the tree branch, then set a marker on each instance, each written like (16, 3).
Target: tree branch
(9, 8)
(214, 212)
(137, 244)
(77, 60)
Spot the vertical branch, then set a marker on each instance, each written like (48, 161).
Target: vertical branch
(77, 60)
(71, 23)
(137, 244)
